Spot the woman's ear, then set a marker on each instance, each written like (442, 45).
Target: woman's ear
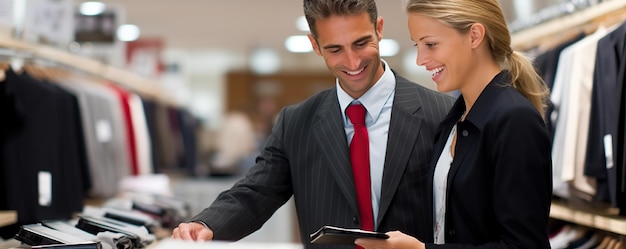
(477, 34)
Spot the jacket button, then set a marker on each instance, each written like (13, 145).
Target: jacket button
(452, 232)
(465, 133)
(355, 220)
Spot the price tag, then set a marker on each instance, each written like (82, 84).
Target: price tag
(608, 150)
(45, 188)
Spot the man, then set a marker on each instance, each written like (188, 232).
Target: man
(307, 155)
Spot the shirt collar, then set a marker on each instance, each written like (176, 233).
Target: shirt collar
(375, 98)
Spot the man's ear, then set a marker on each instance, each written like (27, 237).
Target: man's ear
(379, 27)
(314, 44)
(477, 34)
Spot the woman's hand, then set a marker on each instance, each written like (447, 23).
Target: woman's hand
(396, 240)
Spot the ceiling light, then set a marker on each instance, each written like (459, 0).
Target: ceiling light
(298, 44)
(302, 24)
(91, 8)
(388, 47)
(128, 32)
(264, 61)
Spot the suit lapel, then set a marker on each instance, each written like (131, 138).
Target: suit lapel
(403, 132)
(330, 134)
(460, 153)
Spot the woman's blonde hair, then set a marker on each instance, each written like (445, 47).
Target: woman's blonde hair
(462, 14)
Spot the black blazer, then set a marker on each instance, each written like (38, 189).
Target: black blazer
(606, 109)
(307, 157)
(44, 135)
(500, 182)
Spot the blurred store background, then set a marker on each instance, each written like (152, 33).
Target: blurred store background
(195, 48)
(219, 71)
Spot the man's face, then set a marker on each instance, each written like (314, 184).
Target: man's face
(349, 45)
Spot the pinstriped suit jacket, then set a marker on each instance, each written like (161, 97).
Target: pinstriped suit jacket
(307, 156)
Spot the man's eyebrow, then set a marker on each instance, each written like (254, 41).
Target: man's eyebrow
(331, 46)
(334, 46)
(364, 38)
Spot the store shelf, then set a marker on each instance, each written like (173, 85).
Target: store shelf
(7, 218)
(589, 218)
(558, 25)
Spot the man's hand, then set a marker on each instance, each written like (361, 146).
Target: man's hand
(192, 231)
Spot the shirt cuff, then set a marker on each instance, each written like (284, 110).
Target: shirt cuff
(201, 222)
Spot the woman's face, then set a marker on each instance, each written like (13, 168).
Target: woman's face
(445, 52)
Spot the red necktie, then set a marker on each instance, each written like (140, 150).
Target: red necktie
(360, 158)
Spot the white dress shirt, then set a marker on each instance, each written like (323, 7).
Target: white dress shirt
(378, 102)
(440, 182)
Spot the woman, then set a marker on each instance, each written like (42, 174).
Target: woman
(491, 172)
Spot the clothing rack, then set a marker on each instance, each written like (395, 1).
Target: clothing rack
(533, 36)
(141, 85)
(555, 31)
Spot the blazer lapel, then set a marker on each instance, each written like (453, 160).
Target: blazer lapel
(466, 135)
(330, 134)
(459, 154)
(403, 132)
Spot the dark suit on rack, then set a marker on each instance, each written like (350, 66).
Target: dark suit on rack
(606, 108)
(45, 138)
(307, 157)
(500, 184)
(620, 169)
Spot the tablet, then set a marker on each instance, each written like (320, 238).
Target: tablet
(337, 235)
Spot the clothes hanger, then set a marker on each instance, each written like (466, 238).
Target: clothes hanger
(49, 72)
(604, 243)
(611, 244)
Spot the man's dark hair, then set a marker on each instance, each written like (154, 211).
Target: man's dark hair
(322, 9)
